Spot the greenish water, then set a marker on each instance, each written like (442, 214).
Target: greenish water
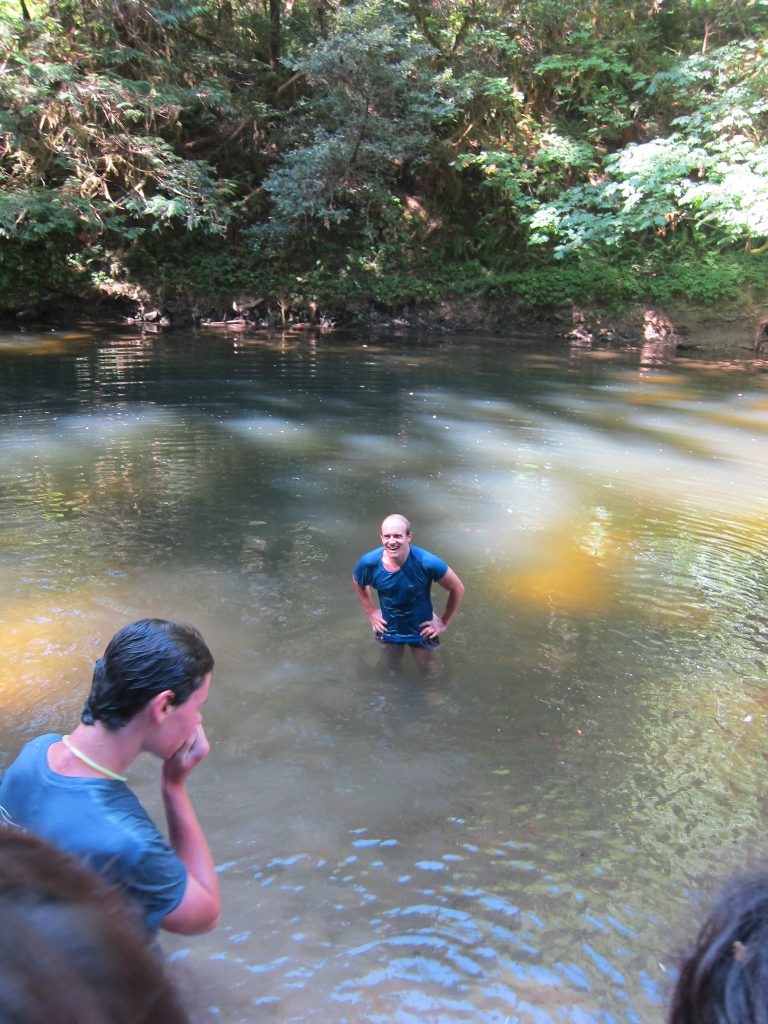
(523, 838)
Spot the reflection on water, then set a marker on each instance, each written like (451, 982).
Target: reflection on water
(522, 835)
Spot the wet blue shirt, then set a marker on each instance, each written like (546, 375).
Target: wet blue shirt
(99, 821)
(403, 595)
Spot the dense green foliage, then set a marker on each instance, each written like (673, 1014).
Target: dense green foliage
(387, 151)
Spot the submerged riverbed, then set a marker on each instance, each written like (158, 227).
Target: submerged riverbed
(523, 837)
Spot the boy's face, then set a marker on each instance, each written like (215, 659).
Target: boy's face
(181, 720)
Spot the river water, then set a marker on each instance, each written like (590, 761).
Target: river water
(529, 834)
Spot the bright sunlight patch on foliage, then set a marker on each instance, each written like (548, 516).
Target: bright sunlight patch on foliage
(709, 176)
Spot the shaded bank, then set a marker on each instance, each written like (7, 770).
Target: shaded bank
(739, 331)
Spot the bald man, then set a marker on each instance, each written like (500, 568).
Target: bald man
(402, 575)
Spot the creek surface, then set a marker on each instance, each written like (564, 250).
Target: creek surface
(530, 834)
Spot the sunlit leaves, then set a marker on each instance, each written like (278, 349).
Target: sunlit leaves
(710, 173)
(735, 199)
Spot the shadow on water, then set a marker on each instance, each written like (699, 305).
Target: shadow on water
(521, 834)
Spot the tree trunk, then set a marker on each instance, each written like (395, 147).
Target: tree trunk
(274, 35)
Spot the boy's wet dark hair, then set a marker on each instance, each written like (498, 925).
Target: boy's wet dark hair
(141, 660)
(724, 979)
(72, 949)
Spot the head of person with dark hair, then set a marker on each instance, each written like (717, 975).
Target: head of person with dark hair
(724, 978)
(141, 660)
(72, 949)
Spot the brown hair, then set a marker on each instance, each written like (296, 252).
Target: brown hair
(72, 949)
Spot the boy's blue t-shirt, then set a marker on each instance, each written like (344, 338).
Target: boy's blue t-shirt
(403, 595)
(99, 821)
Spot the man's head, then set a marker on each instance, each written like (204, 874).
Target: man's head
(396, 536)
(396, 519)
(142, 660)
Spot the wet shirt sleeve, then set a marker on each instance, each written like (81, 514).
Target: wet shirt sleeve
(434, 567)
(365, 570)
(140, 860)
(157, 881)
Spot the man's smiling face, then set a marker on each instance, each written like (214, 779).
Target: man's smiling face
(396, 538)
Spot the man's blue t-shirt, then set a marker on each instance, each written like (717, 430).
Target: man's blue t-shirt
(404, 594)
(99, 821)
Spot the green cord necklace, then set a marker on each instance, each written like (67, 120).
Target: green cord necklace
(92, 764)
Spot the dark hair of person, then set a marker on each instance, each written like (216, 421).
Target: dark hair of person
(724, 978)
(141, 660)
(72, 949)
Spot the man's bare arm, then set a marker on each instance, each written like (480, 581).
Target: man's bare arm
(450, 582)
(378, 624)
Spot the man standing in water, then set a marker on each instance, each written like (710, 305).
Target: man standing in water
(403, 575)
(146, 697)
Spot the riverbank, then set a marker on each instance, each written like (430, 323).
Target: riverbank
(735, 332)
(738, 331)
